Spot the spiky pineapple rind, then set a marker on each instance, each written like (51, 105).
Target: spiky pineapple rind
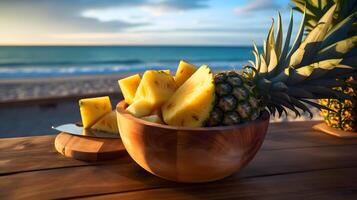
(235, 100)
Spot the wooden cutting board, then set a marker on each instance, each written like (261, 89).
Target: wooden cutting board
(333, 131)
(88, 148)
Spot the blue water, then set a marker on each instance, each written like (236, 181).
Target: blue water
(54, 61)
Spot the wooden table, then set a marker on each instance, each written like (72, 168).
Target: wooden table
(295, 162)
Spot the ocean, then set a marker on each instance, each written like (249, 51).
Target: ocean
(57, 61)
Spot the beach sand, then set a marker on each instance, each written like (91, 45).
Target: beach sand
(22, 113)
(33, 88)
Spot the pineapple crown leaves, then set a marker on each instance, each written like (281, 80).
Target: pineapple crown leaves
(315, 9)
(311, 68)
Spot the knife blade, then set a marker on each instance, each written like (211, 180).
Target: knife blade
(74, 129)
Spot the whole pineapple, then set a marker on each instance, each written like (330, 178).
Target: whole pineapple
(343, 112)
(280, 78)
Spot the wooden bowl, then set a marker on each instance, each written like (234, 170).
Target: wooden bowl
(190, 154)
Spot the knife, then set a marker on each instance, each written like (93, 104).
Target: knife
(75, 129)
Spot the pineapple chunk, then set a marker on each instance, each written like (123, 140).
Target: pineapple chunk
(92, 109)
(156, 112)
(153, 118)
(128, 87)
(191, 104)
(156, 87)
(184, 71)
(108, 123)
(140, 108)
(167, 71)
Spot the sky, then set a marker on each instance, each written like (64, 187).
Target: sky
(139, 22)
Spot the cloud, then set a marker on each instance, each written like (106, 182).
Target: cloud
(173, 6)
(69, 16)
(49, 16)
(133, 21)
(72, 4)
(204, 30)
(257, 5)
(182, 4)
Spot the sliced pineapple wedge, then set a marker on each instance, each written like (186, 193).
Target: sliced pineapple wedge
(167, 71)
(140, 108)
(92, 109)
(191, 104)
(153, 118)
(156, 112)
(129, 86)
(156, 87)
(184, 72)
(107, 123)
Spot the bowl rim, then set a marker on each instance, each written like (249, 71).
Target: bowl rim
(120, 108)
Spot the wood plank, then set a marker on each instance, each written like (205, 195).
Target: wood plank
(299, 135)
(15, 163)
(26, 144)
(325, 184)
(114, 178)
(334, 131)
(38, 153)
(302, 159)
(301, 139)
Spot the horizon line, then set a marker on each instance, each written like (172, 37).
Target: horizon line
(124, 45)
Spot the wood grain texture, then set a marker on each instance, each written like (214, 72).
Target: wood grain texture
(129, 177)
(190, 154)
(330, 184)
(333, 131)
(295, 162)
(87, 148)
(24, 154)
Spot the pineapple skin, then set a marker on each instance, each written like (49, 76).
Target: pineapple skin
(129, 86)
(92, 109)
(236, 100)
(345, 116)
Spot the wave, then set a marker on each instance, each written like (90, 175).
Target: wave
(103, 68)
(112, 62)
(68, 63)
(207, 60)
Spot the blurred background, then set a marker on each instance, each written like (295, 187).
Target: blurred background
(53, 53)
